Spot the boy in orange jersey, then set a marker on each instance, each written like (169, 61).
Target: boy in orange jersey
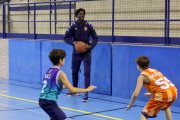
(163, 91)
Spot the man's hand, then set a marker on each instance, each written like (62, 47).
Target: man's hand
(90, 88)
(88, 47)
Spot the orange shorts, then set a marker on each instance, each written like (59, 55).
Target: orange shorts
(153, 107)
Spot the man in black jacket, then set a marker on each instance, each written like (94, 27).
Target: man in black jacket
(81, 30)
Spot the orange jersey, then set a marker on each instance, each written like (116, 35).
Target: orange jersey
(162, 89)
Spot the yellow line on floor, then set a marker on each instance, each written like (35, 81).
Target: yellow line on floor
(70, 109)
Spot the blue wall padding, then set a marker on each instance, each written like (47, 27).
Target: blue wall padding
(24, 60)
(120, 71)
(165, 59)
(113, 70)
(29, 61)
(100, 68)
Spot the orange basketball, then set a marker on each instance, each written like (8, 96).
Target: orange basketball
(80, 47)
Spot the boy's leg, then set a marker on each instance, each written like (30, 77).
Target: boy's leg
(52, 109)
(151, 109)
(167, 110)
(57, 114)
(143, 117)
(168, 114)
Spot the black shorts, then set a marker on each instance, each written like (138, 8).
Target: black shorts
(52, 109)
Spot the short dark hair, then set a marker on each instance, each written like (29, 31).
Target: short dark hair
(78, 10)
(143, 62)
(55, 55)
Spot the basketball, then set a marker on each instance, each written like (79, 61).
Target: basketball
(80, 47)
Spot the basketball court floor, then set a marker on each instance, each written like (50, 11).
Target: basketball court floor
(20, 102)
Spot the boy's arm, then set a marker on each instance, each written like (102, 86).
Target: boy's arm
(136, 91)
(67, 84)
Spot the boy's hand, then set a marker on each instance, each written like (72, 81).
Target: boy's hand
(128, 107)
(90, 88)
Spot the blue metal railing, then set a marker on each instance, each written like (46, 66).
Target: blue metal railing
(4, 21)
(34, 6)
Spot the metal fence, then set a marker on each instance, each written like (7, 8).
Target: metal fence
(131, 21)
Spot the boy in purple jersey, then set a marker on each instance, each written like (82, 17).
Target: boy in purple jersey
(54, 81)
(81, 30)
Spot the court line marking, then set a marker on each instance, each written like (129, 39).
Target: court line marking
(70, 109)
(3, 105)
(3, 91)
